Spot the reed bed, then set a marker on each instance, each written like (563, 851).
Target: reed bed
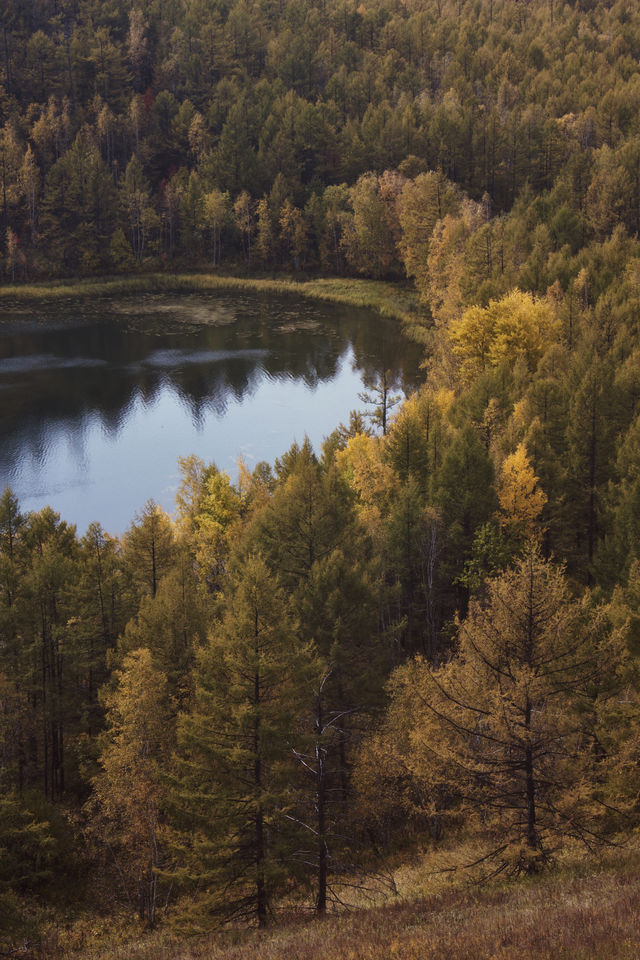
(387, 298)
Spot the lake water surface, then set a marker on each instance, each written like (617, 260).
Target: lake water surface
(99, 399)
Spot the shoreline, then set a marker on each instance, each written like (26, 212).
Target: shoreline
(386, 297)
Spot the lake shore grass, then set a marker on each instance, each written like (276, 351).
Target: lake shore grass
(390, 299)
(585, 910)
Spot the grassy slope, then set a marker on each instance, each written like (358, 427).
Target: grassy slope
(587, 913)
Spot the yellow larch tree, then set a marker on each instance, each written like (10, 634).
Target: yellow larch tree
(422, 203)
(209, 509)
(129, 791)
(372, 479)
(518, 327)
(501, 737)
(521, 499)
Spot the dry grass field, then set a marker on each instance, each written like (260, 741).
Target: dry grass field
(582, 912)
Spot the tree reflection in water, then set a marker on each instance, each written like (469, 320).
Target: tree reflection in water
(99, 398)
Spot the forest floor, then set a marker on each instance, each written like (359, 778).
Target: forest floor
(585, 910)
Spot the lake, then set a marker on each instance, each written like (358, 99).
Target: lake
(98, 399)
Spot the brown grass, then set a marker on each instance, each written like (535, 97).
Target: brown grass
(567, 916)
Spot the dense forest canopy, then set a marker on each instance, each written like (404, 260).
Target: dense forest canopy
(430, 626)
(147, 132)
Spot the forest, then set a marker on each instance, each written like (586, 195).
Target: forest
(426, 633)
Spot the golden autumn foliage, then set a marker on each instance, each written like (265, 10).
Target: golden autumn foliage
(129, 791)
(219, 510)
(421, 205)
(521, 499)
(502, 732)
(372, 479)
(209, 509)
(445, 263)
(239, 136)
(516, 327)
(149, 547)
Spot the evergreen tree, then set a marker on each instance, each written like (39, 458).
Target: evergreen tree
(465, 494)
(51, 670)
(234, 753)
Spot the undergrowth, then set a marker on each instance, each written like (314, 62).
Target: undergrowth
(584, 910)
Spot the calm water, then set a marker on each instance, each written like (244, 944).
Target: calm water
(98, 401)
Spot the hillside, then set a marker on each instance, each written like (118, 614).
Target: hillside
(572, 916)
(235, 132)
(427, 630)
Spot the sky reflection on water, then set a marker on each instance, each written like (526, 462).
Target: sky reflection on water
(95, 412)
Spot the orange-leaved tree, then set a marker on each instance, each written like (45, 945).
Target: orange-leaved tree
(503, 735)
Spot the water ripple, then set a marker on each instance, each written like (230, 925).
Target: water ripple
(43, 361)
(178, 358)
